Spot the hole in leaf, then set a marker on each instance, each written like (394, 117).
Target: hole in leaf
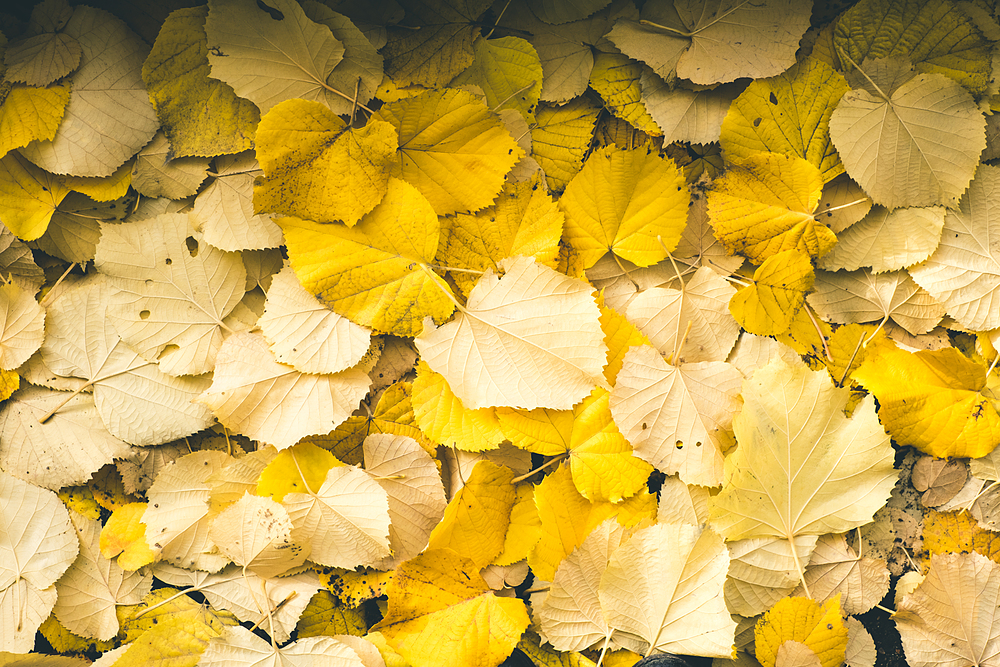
(169, 261)
(167, 350)
(680, 445)
(774, 100)
(143, 314)
(192, 246)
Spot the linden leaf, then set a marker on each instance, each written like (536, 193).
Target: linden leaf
(136, 401)
(270, 53)
(801, 620)
(789, 114)
(616, 78)
(860, 296)
(441, 610)
(835, 569)
(561, 138)
(530, 339)
(238, 647)
(42, 58)
(932, 400)
(686, 115)
(109, 117)
(93, 586)
(434, 43)
(762, 570)
(124, 536)
(669, 600)
(600, 458)
(223, 211)
(792, 481)
(176, 73)
(962, 273)
(477, 517)
(715, 42)
(28, 197)
(22, 326)
(265, 400)
(508, 72)
(451, 131)
(934, 35)
(172, 298)
(376, 273)
(256, 533)
(413, 485)
(950, 619)
(305, 334)
(319, 168)
(917, 145)
(30, 114)
(765, 204)
(65, 450)
(677, 418)
(768, 306)
(887, 240)
(630, 203)
(443, 418)
(39, 544)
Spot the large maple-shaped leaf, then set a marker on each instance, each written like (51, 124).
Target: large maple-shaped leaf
(801, 467)
(137, 402)
(677, 417)
(109, 116)
(271, 53)
(37, 544)
(962, 273)
(628, 202)
(529, 339)
(450, 131)
(714, 41)
(932, 400)
(669, 600)
(440, 609)
(273, 403)
(790, 114)
(171, 296)
(376, 273)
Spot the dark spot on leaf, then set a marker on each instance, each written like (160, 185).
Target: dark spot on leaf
(192, 246)
(756, 122)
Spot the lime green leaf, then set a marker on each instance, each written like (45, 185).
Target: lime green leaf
(764, 204)
(272, 52)
(768, 306)
(28, 197)
(376, 272)
(316, 167)
(616, 79)
(109, 116)
(933, 34)
(632, 203)
(509, 73)
(561, 138)
(715, 42)
(916, 146)
(790, 114)
(30, 114)
(932, 400)
(176, 74)
(434, 43)
(446, 132)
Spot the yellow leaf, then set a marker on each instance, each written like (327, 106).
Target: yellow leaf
(567, 518)
(524, 221)
(615, 77)
(176, 74)
(30, 114)
(958, 532)
(317, 167)
(509, 73)
(619, 335)
(64, 641)
(28, 197)
(821, 628)
(442, 612)
(790, 114)
(447, 132)
(632, 203)
(543, 655)
(765, 204)
(80, 499)
(441, 415)
(477, 517)
(768, 306)
(102, 189)
(325, 616)
(375, 273)
(353, 587)
(932, 400)
(525, 527)
(9, 382)
(109, 489)
(561, 138)
(300, 467)
(600, 458)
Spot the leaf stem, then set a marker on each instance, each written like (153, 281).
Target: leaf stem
(667, 28)
(556, 459)
(847, 369)
(844, 55)
(819, 332)
(837, 208)
(47, 300)
(90, 383)
(514, 94)
(798, 566)
(499, 16)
